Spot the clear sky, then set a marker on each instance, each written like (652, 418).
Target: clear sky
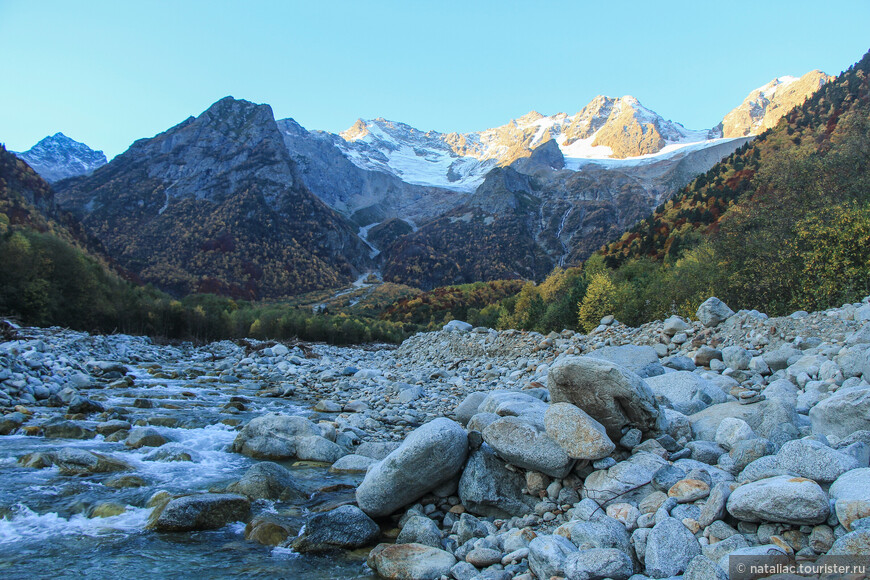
(109, 72)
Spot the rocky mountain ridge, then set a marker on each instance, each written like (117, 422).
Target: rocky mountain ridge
(57, 157)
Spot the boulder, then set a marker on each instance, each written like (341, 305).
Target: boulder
(458, 326)
(641, 360)
(267, 480)
(856, 543)
(410, 561)
(670, 547)
(273, 436)
(581, 436)
(67, 430)
(526, 444)
(843, 413)
(599, 563)
(687, 392)
(465, 410)
(783, 499)
(674, 324)
(624, 481)
(731, 431)
(736, 357)
(73, 461)
(420, 530)
(205, 511)
(814, 460)
(318, 448)
(610, 394)
(145, 437)
(851, 495)
(488, 489)
(352, 464)
(430, 456)
(346, 527)
(548, 555)
(713, 311)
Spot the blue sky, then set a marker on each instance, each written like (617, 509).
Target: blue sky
(110, 72)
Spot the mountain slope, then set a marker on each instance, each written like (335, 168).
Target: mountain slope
(779, 222)
(57, 157)
(216, 204)
(765, 106)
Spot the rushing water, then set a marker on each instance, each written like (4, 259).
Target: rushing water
(45, 531)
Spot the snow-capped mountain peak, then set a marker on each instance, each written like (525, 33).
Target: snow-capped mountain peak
(57, 157)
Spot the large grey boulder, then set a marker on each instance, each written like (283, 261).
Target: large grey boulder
(267, 480)
(598, 531)
(204, 511)
(525, 443)
(814, 460)
(410, 561)
(513, 404)
(430, 456)
(346, 527)
(713, 311)
(626, 481)
(420, 530)
(687, 392)
(856, 543)
(736, 357)
(851, 495)
(670, 547)
(318, 448)
(599, 563)
(488, 488)
(548, 555)
(843, 413)
(783, 499)
(641, 360)
(465, 410)
(612, 395)
(273, 436)
(581, 436)
(145, 437)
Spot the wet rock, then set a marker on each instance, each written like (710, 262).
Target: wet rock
(125, 482)
(431, 455)
(526, 444)
(352, 464)
(404, 561)
(67, 430)
(785, 499)
(268, 480)
(108, 427)
(581, 436)
(11, 422)
(273, 436)
(610, 394)
(204, 511)
(107, 510)
(73, 461)
(346, 527)
(145, 437)
(487, 488)
(267, 530)
(36, 460)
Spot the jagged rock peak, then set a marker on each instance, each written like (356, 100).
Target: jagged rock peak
(57, 157)
(766, 105)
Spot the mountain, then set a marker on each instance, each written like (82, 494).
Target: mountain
(782, 223)
(766, 105)
(57, 157)
(616, 128)
(365, 196)
(217, 204)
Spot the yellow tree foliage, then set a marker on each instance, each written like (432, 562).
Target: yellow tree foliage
(598, 301)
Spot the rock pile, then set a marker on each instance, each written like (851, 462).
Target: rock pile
(629, 452)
